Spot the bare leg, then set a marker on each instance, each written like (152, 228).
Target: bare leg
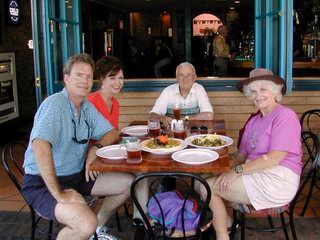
(80, 222)
(235, 193)
(115, 186)
(142, 196)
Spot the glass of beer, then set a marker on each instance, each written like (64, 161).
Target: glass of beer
(134, 151)
(176, 111)
(154, 128)
(179, 130)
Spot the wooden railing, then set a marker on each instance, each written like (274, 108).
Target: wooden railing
(231, 106)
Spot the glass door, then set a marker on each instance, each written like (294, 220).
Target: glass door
(273, 37)
(56, 33)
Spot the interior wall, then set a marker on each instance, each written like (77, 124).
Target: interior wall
(15, 39)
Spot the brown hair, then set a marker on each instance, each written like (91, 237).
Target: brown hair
(107, 66)
(82, 57)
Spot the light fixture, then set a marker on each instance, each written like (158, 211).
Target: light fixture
(231, 8)
(236, 2)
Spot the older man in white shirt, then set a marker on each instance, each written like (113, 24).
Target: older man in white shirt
(191, 97)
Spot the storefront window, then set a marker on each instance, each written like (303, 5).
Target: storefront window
(154, 40)
(306, 38)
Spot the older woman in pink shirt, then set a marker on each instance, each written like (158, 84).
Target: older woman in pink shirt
(266, 171)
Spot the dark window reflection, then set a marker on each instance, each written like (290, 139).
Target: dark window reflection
(133, 32)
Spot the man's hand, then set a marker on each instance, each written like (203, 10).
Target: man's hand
(225, 179)
(91, 156)
(166, 121)
(107, 139)
(70, 196)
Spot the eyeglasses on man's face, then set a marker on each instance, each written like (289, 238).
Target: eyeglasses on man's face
(81, 76)
(75, 139)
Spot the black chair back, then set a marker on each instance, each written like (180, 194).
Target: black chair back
(183, 182)
(311, 143)
(12, 158)
(310, 121)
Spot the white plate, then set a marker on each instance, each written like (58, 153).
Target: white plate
(163, 151)
(195, 156)
(136, 131)
(228, 140)
(113, 152)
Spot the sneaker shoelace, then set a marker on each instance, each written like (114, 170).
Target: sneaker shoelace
(104, 235)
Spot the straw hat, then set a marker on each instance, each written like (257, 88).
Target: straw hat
(263, 74)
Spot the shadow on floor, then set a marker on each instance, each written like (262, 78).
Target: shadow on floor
(14, 225)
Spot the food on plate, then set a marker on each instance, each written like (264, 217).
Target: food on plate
(211, 140)
(163, 141)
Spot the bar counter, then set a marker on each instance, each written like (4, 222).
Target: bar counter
(250, 64)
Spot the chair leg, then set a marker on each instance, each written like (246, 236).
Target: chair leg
(313, 182)
(33, 225)
(118, 221)
(233, 229)
(50, 229)
(292, 225)
(126, 209)
(271, 222)
(243, 225)
(284, 226)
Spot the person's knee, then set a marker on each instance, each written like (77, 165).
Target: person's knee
(87, 225)
(201, 190)
(129, 178)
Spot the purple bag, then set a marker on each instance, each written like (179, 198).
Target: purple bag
(172, 206)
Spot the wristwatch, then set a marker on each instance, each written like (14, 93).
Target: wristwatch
(98, 145)
(238, 169)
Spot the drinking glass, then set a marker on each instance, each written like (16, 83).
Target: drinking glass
(179, 130)
(134, 151)
(154, 128)
(177, 111)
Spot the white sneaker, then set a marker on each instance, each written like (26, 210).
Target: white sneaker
(103, 234)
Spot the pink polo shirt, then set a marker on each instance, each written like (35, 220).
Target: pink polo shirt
(280, 131)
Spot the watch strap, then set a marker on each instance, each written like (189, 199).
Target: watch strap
(98, 145)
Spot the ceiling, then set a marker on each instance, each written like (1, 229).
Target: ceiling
(162, 5)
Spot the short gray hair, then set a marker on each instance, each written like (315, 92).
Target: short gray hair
(82, 57)
(273, 87)
(185, 64)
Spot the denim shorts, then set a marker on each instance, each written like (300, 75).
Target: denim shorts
(38, 196)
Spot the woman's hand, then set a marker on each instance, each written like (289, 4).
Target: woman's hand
(225, 179)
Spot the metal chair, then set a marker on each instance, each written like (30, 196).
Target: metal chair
(310, 120)
(308, 139)
(311, 143)
(12, 158)
(184, 182)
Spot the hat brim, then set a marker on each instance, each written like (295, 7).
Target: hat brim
(273, 78)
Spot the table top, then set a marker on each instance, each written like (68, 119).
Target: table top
(164, 163)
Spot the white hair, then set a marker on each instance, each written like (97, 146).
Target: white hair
(273, 87)
(185, 64)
